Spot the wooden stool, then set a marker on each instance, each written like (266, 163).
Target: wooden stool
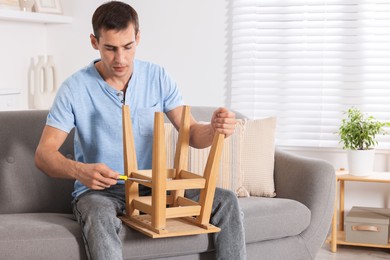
(169, 215)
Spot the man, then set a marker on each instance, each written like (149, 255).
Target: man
(90, 101)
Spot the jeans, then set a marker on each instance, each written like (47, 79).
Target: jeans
(97, 211)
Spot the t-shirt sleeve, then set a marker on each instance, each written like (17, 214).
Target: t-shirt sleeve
(172, 96)
(61, 114)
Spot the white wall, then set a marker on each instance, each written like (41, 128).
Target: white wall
(188, 38)
(19, 41)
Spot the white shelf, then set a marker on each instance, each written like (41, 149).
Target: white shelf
(9, 91)
(19, 16)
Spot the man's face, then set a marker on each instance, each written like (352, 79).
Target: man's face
(117, 51)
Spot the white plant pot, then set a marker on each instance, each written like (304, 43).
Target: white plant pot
(361, 162)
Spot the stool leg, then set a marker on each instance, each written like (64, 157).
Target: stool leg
(159, 174)
(130, 160)
(210, 174)
(182, 149)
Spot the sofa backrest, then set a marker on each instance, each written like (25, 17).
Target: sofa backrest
(23, 188)
(204, 113)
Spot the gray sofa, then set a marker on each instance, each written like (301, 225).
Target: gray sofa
(36, 220)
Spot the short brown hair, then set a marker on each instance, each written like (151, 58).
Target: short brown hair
(114, 15)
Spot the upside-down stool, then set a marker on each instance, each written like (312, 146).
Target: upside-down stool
(167, 213)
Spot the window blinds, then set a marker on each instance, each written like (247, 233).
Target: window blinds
(306, 62)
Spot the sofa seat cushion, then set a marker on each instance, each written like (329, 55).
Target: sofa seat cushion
(273, 218)
(40, 236)
(139, 246)
(45, 235)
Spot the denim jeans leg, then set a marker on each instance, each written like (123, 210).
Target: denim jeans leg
(226, 214)
(96, 212)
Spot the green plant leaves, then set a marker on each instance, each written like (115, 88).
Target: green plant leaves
(358, 132)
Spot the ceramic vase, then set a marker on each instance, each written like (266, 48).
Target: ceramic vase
(26, 5)
(31, 82)
(42, 83)
(50, 80)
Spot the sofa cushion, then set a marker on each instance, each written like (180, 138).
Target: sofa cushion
(257, 156)
(40, 236)
(58, 236)
(23, 188)
(139, 246)
(247, 161)
(271, 218)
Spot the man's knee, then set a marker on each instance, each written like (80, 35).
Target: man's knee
(226, 195)
(96, 207)
(225, 200)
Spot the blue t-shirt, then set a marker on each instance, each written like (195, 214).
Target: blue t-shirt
(94, 108)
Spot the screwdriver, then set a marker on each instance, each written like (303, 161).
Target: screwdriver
(125, 178)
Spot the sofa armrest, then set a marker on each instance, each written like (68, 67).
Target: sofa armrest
(311, 182)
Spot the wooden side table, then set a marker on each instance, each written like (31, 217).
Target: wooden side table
(338, 234)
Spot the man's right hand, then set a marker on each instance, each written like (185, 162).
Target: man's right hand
(96, 176)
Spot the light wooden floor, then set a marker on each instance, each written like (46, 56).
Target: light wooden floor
(353, 253)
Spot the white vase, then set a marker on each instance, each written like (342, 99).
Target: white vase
(50, 75)
(31, 83)
(39, 81)
(26, 5)
(361, 162)
(44, 83)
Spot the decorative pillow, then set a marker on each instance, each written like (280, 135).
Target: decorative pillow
(247, 161)
(257, 156)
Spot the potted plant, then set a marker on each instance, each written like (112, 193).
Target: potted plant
(357, 133)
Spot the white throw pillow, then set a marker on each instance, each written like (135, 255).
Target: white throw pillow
(257, 156)
(247, 162)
